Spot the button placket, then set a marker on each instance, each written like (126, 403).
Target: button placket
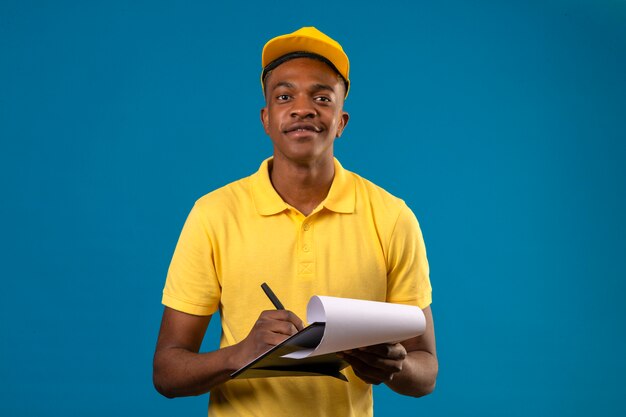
(306, 253)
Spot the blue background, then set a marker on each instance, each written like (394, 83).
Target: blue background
(502, 124)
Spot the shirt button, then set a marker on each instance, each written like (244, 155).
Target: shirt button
(306, 226)
(306, 248)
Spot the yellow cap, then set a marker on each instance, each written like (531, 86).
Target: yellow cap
(311, 40)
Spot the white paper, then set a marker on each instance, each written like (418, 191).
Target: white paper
(351, 324)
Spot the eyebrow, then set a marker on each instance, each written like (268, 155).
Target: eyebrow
(315, 87)
(322, 87)
(283, 84)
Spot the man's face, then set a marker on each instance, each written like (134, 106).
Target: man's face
(304, 110)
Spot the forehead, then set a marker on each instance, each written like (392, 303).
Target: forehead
(300, 71)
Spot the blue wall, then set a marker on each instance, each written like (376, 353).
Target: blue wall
(502, 124)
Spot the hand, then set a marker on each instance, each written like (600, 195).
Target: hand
(376, 364)
(271, 328)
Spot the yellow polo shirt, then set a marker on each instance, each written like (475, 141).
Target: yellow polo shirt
(360, 242)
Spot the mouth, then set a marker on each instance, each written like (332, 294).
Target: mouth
(302, 127)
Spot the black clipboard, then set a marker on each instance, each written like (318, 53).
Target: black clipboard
(272, 364)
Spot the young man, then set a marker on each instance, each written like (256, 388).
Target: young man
(307, 227)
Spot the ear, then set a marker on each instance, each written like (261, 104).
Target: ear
(265, 120)
(342, 123)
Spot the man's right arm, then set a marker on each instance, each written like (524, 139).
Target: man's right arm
(179, 370)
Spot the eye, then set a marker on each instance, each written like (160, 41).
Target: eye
(282, 97)
(323, 99)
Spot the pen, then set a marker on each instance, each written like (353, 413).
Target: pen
(270, 294)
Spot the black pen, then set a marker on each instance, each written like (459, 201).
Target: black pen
(270, 294)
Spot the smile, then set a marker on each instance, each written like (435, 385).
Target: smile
(301, 127)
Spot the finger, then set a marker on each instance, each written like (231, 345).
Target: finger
(367, 373)
(284, 328)
(374, 361)
(283, 315)
(295, 320)
(270, 323)
(395, 351)
(271, 338)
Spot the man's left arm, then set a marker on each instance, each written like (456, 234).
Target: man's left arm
(409, 367)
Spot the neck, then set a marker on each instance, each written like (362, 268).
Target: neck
(302, 186)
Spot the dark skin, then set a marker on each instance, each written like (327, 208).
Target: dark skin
(179, 370)
(303, 116)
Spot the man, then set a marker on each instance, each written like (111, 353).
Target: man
(307, 227)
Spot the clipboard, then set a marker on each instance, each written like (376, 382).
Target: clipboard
(338, 324)
(273, 363)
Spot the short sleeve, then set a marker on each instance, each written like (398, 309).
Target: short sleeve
(408, 280)
(192, 285)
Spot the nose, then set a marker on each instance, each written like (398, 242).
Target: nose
(302, 107)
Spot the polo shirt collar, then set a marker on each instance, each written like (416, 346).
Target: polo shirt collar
(266, 199)
(341, 196)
